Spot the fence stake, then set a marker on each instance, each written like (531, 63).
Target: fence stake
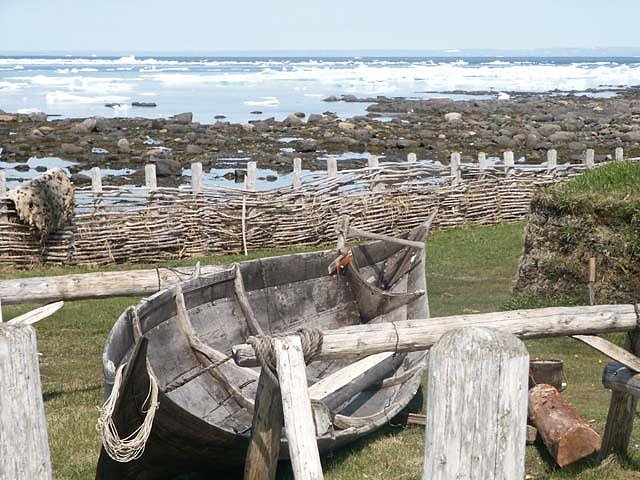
(552, 159)
(455, 167)
(412, 158)
(490, 408)
(297, 173)
(509, 162)
(619, 153)
(96, 180)
(482, 161)
(25, 446)
(332, 167)
(589, 159)
(250, 179)
(196, 177)
(3, 194)
(150, 179)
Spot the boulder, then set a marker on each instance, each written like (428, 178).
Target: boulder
(452, 116)
(632, 136)
(70, 148)
(315, 118)
(307, 145)
(167, 167)
(183, 118)
(292, 121)
(549, 129)
(562, 137)
(124, 146)
(86, 126)
(346, 126)
(300, 114)
(194, 149)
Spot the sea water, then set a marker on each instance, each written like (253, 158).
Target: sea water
(80, 86)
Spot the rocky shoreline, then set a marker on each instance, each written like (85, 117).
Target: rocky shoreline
(528, 124)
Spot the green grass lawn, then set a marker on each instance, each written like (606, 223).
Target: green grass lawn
(469, 270)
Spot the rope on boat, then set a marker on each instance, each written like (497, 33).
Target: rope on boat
(132, 446)
(310, 338)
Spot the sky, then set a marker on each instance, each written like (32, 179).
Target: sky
(129, 26)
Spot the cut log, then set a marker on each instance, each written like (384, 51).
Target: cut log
(414, 335)
(532, 434)
(24, 447)
(476, 406)
(296, 408)
(619, 378)
(95, 285)
(261, 461)
(567, 436)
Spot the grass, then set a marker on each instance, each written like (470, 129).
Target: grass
(469, 270)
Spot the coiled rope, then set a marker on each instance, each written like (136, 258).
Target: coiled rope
(132, 446)
(310, 338)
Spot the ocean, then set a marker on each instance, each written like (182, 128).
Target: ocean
(237, 87)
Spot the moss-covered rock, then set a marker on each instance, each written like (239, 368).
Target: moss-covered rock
(595, 215)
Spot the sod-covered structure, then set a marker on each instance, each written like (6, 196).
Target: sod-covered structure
(594, 215)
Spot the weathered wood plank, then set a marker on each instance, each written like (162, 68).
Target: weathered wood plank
(568, 437)
(356, 232)
(36, 315)
(261, 461)
(24, 447)
(413, 335)
(95, 285)
(619, 378)
(476, 423)
(296, 407)
(611, 350)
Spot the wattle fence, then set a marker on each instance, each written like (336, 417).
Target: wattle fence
(151, 223)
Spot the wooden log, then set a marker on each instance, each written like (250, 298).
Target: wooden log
(24, 446)
(332, 167)
(196, 177)
(476, 406)
(95, 285)
(421, 334)
(552, 159)
(619, 378)
(622, 411)
(36, 315)
(619, 154)
(297, 173)
(589, 158)
(356, 232)
(96, 180)
(250, 178)
(261, 461)
(567, 436)
(150, 179)
(296, 408)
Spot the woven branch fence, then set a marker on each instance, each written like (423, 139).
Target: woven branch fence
(150, 224)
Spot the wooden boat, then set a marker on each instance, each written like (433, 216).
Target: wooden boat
(180, 339)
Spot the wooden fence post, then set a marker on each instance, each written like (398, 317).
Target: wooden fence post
(24, 449)
(476, 406)
(3, 194)
(509, 162)
(622, 411)
(552, 159)
(297, 173)
(250, 179)
(412, 158)
(196, 177)
(332, 167)
(482, 161)
(589, 158)
(150, 179)
(96, 180)
(455, 167)
(374, 164)
(619, 153)
(296, 408)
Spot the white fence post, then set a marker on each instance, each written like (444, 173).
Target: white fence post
(589, 158)
(150, 179)
(509, 162)
(619, 153)
(196, 177)
(332, 167)
(96, 180)
(250, 179)
(24, 450)
(3, 194)
(412, 158)
(552, 159)
(482, 161)
(477, 389)
(297, 173)
(455, 167)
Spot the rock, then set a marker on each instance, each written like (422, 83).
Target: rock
(22, 167)
(144, 104)
(406, 143)
(362, 134)
(177, 127)
(349, 98)
(124, 146)
(562, 137)
(632, 136)
(532, 140)
(549, 129)
(248, 127)
(453, 116)
(70, 148)
(46, 130)
(572, 124)
(300, 114)
(86, 126)
(271, 178)
(576, 146)
(80, 179)
(194, 149)
(292, 121)
(7, 118)
(307, 145)
(331, 98)
(157, 152)
(256, 112)
(505, 141)
(157, 123)
(36, 133)
(220, 117)
(183, 118)
(346, 126)
(315, 118)
(37, 117)
(167, 167)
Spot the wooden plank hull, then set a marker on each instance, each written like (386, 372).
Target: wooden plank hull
(204, 424)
